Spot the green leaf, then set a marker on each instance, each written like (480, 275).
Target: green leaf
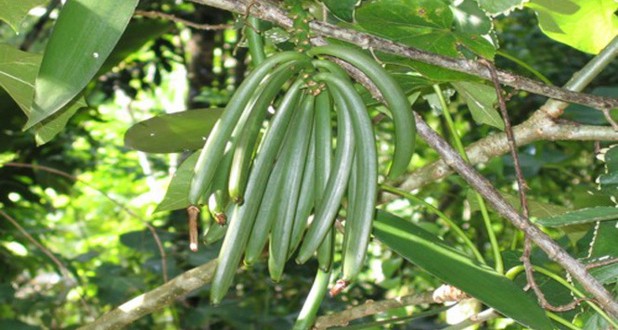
(46, 130)
(18, 71)
(430, 253)
(342, 9)
(586, 25)
(603, 244)
(175, 132)
(497, 7)
(427, 25)
(589, 116)
(480, 99)
(177, 195)
(83, 37)
(581, 216)
(609, 181)
(14, 11)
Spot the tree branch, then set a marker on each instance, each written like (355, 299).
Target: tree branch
(155, 299)
(370, 308)
(502, 207)
(270, 12)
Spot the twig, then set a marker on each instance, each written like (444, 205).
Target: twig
(104, 194)
(601, 263)
(66, 274)
(61, 267)
(155, 299)
(501, 206)
(169, 17)
(529, 270)
(370, 308)
(270, 12)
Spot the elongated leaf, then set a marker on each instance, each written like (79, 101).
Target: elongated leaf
(177, 195)
(481, 100)
(586, 25)
(46, 130)
(14, 11)
(176, 132)
(430, 253)
(537, 209)
(18, 70)
(576, 217)
(83, 37)
(609, 181)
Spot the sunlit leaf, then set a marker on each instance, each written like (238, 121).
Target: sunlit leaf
(84, 35)
(586, 25)
(46, 130)
(576, 217)
(177, 195)
(14, 11)
(430, 253)
(18, 71)
(481, 100)
(175, 132)
(497, 7)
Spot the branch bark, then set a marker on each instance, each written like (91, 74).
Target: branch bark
(270, 12)
(155, 299)
(502, 207)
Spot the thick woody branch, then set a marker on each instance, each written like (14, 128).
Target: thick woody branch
(538, 128)
(267, 11)
(155, 299)
(371, 308)
(502, 207)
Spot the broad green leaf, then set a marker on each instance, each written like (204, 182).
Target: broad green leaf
(609, 181)
(606, 274)
(576, 217)
(427, 24)
(14, 11)
(83, 37)
(46, 130)
(586, 25)
(342, 9)
(430, 253)
(497, 7)
(481, 100)
(18, 71)
(175, 132)
(17, 74)
(177, 195)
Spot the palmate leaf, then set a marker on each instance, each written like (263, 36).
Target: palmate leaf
(586, 25)
(84, 35)
(430, 253)
(429, 25)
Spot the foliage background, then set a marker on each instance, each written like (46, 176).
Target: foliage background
(93, 215)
